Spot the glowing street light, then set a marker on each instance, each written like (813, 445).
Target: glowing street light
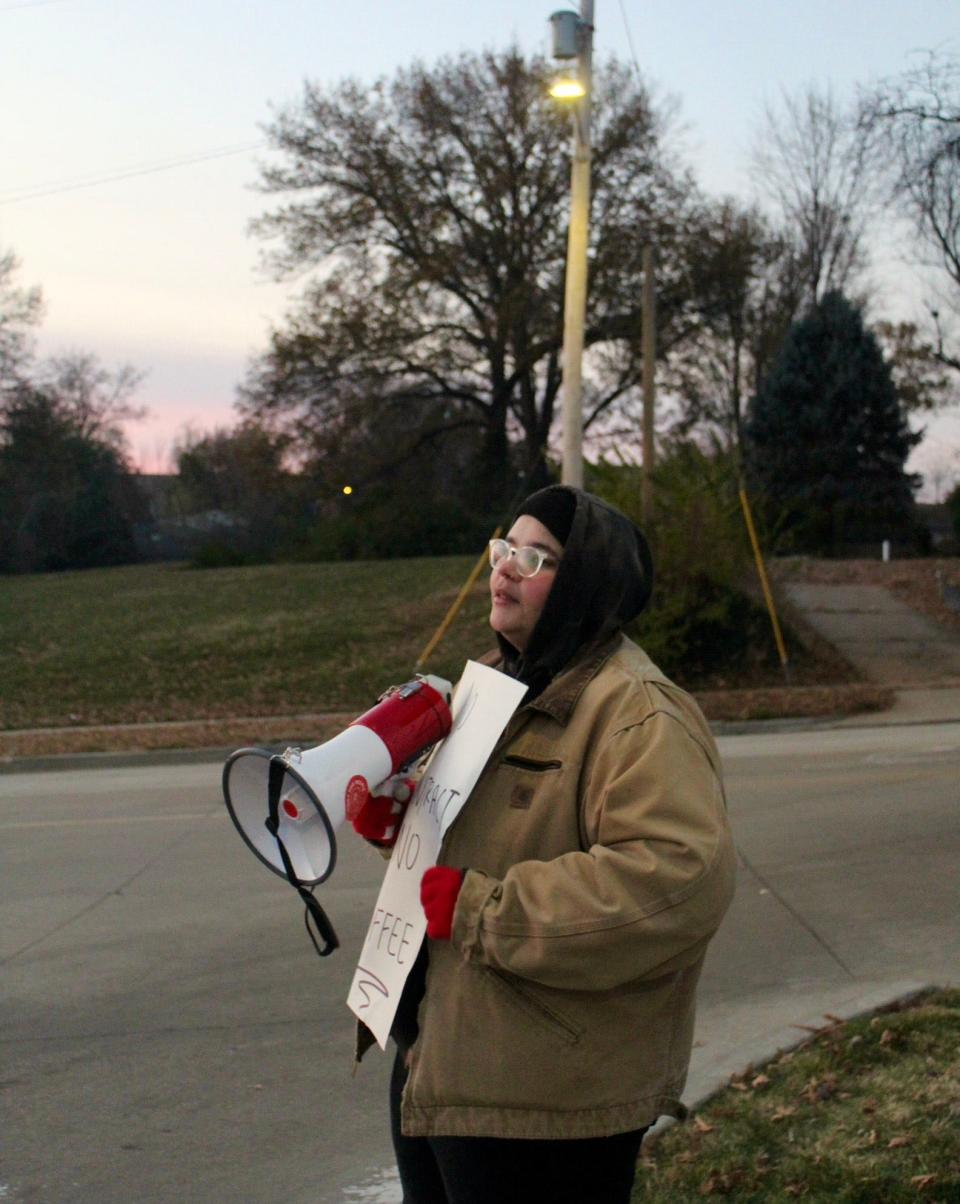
(567, 87)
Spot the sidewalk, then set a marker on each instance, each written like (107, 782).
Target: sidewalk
(893, 646)
(889, 642)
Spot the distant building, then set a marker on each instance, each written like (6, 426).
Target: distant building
(170, 533)
(938, 521)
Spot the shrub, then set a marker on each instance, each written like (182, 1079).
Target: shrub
(700, 618)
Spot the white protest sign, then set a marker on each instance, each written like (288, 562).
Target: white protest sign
(482, 706)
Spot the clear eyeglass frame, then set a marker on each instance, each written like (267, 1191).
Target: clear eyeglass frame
(529, 561)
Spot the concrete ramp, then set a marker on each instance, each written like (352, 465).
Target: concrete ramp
(888, 641)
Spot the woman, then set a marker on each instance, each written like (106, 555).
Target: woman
(575, 895)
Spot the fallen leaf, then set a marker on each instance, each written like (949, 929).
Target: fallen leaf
(701, 1125)
(887, 1037)
(783, 1112)
(760, 1081)
(922, 1182)
(896, 1142)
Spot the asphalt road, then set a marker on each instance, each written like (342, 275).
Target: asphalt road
(169, 1035)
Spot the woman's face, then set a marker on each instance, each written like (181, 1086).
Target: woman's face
(516, 602)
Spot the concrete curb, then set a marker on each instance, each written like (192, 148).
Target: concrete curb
(56, 762)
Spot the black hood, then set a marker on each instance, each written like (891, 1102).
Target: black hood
(604, 580)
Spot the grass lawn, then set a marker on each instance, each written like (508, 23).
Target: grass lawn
(866, 1112)
(163, 642)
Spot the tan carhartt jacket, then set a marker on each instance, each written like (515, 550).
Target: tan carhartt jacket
(599, 866)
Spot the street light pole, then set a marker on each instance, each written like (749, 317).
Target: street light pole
(575, 291)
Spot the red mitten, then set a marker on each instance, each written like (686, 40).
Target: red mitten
(379, 817)
(439, 888)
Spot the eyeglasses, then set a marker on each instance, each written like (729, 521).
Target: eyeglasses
(529, 561)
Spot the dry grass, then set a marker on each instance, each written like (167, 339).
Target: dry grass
(866, 1112)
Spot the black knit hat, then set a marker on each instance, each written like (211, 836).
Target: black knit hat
(602, 582)
(554, 507)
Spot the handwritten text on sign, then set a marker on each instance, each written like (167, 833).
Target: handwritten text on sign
(482, 706)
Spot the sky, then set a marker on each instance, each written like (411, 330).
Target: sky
(133, 133)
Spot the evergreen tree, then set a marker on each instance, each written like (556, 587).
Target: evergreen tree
(829, 438)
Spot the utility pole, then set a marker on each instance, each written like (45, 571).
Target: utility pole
(649, 348)
(573, 38)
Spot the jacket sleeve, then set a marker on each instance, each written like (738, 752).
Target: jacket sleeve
(646, 895)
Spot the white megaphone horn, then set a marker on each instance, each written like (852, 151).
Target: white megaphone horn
(288, 807)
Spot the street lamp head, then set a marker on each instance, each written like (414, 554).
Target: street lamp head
(567, 87)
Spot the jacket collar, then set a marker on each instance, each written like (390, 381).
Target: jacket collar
(561, 695)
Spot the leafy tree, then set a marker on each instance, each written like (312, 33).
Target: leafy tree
(828, 435)
(69, 500)
(230, 470)
(238, 477)
(431, 212)
(921, 381)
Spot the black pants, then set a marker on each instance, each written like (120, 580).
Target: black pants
(494, 1170)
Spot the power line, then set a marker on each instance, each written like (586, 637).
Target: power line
(127, 174)
(8, 8)
(633, 53)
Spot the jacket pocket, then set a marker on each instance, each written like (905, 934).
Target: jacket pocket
(534, 1007)
(532, 765)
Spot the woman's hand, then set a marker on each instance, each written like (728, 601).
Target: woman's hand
(439, 888)
(379, 817)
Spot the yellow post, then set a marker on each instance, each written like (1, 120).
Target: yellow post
(455, 608)
(764, 583)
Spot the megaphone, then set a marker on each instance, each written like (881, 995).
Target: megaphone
(288, 806)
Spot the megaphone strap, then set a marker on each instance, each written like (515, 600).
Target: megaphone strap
(275, 774)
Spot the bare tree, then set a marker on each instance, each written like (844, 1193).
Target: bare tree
(810, 163)
(429, 214)
(96, 401)
(747, 288)
(915, 118)
(20, 309)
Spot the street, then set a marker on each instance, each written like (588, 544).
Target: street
(169, 1034)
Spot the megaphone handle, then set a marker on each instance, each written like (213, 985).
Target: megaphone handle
(314, 911)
